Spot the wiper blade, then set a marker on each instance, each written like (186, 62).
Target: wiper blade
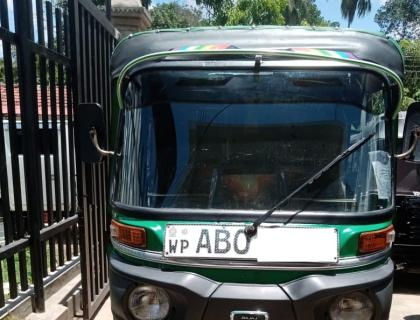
(251, 230)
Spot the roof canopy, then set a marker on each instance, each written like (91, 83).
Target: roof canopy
(360, 45)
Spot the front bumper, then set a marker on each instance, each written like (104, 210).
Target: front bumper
(194, 297)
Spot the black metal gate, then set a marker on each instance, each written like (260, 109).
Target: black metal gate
(93, 43)
(51, 58)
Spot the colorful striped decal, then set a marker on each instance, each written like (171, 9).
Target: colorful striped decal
(326, 53)
(205, 47)
(312, 51)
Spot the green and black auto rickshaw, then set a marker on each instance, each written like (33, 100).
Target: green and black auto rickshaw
(253, 173)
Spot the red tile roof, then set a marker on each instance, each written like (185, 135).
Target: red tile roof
(4, 102)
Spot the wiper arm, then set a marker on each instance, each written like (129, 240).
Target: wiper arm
(251, 230)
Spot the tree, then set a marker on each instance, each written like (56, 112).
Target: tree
(258, 12)
(350, 7)
(146, 3)
(400, 18)
(293, 12)
(14, 69)
(173, 15)
(306, 12)
(216, 10)
(411, 49)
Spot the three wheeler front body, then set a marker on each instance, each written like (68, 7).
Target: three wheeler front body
(213, 129)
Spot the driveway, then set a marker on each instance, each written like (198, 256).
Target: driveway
(406, 299)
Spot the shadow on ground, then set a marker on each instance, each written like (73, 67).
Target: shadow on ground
(407, 283)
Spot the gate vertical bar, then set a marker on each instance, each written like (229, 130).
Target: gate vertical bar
(53, 142)
(62, 159)
(9, 218)
(32, 165)
(108, 9)
(69, 140)
(76, 17)
(45, 139)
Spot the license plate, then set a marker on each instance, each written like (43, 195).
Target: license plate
(271, 244)
(248, 315)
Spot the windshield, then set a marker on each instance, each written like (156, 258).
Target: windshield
(237, 140)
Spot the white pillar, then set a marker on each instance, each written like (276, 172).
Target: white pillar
(129, 16)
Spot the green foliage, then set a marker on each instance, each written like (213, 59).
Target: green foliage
(3, 71)
(216, 10)
(350, 7)
(411, 51)
(400, 18)
(278, 12)
(305, 12)
(407, 100)
(173, 15)
(258, 12)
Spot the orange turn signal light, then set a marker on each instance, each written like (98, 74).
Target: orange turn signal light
(131, 236)
(376, 240)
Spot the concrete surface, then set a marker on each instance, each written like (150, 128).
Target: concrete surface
(406, 298)
(54, 307)
(105, 312)
(405, 304)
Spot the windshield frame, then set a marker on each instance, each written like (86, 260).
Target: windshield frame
(251, 55)
(279, 216)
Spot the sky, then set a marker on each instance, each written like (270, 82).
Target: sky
(330, 10)
(10, 7)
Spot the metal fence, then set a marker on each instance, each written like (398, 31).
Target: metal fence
(50, 203)
(92, 46)
(38, 200)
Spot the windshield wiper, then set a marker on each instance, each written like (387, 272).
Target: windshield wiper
(251, 230)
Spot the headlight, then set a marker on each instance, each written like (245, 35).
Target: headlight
(148, 303)
(351, 306)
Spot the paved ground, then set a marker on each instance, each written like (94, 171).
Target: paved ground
(105, 312)
(406, 299)
(405, 305)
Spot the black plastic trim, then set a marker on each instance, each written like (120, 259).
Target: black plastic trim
(218, 215)
(316, 292)
(196, 297)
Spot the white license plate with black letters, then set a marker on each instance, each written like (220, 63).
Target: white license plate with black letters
(271, 244)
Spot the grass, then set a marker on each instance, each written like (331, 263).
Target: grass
(5, 273)
(4, 266)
